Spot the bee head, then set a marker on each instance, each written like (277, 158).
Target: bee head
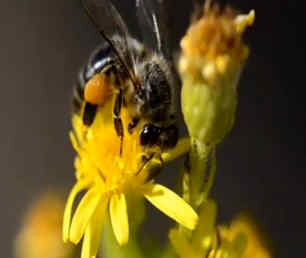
(165, 138)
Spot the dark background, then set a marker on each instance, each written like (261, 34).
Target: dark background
(261, 164)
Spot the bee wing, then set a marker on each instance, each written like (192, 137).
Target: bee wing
(109, 22)
(152, 20)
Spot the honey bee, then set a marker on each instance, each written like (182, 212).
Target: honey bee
(140, 74)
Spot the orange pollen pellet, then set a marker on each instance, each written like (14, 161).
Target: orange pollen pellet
(97, 89)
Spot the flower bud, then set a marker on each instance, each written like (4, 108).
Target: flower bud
(213, 55)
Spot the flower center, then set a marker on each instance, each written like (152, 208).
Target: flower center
(99, 158)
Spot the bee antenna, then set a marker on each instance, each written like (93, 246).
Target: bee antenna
(157, 33)
(145, 162)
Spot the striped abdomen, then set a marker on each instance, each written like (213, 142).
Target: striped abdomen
(98, 61)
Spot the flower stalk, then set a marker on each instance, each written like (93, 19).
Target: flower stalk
(213, 56)
(212, 59)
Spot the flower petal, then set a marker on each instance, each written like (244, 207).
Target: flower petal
(78, 187)
(119, 218)
(83, 214)
(74, 142)
(171, 204)
(93, 231)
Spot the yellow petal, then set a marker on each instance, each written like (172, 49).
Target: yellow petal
(74, 142)
(83, 214)
(67, 213)
(243, 21)
(171, 204)
(119, 218)
(93, 231)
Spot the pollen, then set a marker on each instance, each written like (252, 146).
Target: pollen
(97, 89)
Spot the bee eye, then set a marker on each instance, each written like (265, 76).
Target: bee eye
(149, 135)
(169, 137)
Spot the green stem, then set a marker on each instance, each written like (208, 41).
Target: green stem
(202, 165)
(110, 247)
(210, 174)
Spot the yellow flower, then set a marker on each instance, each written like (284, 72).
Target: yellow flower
(255, 246)
(202, 240)
(40, 235)
(109, 177)
(241, 239)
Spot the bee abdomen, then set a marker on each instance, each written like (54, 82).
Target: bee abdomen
(78, 91)
(99, 59)
(79, 104)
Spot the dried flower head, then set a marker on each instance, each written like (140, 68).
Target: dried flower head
(214, 42)
(213, 55)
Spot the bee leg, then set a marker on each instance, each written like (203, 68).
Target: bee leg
(144, 160)
(156, 169)
(117, 119)
(88, 113)
(133, 124)
(119, 130)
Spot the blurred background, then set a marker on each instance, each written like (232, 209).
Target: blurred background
(261, 165)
